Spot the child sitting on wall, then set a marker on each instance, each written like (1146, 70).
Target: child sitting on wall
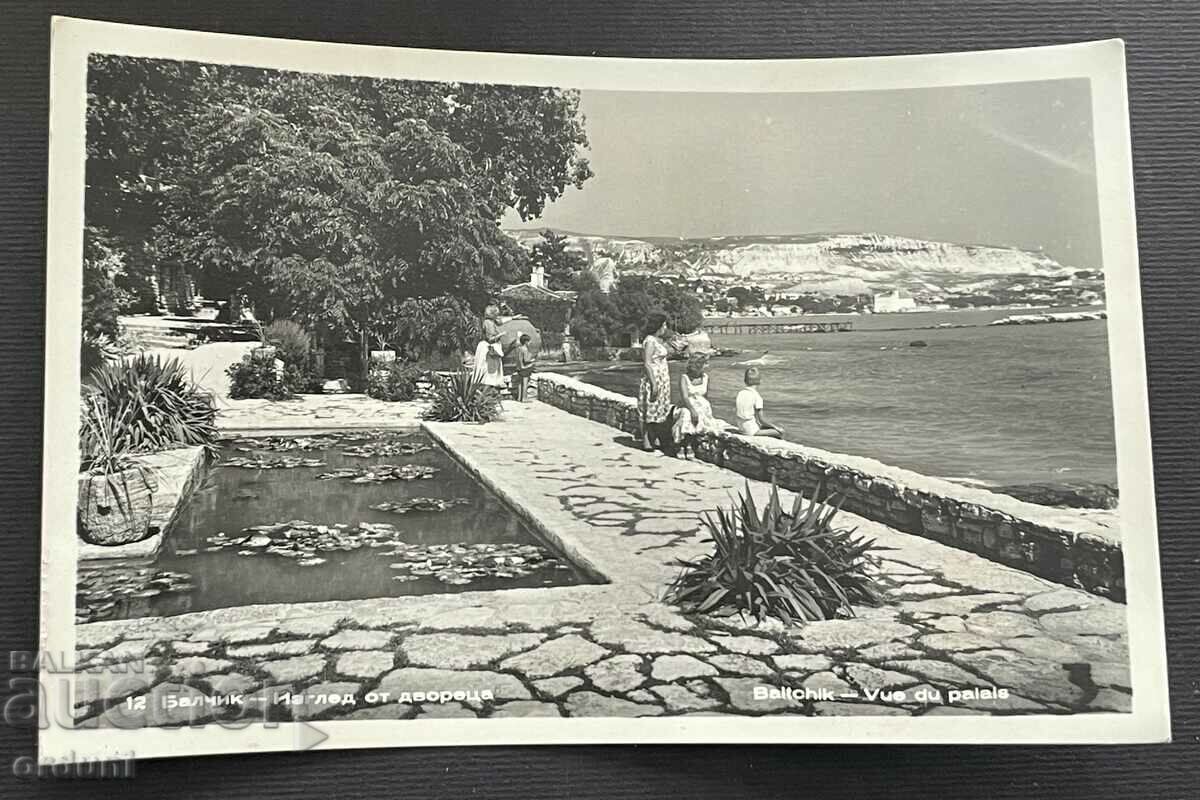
(749, 409)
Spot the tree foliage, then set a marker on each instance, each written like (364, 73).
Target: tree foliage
(636, 296)
(340, 202)
(561, 266)
(103, 299)
(600, 318)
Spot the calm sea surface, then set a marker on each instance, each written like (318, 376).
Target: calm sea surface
(998, 405)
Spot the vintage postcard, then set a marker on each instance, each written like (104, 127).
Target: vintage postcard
(401, 397)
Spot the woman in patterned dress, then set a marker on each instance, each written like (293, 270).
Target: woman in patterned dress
(654, 390)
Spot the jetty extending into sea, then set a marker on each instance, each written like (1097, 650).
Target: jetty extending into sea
(742, 327)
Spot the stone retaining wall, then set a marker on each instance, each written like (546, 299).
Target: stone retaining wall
(1062, 545)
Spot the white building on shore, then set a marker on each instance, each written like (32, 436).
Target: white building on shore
(898, 300)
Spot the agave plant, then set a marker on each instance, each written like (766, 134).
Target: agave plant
(463, 397)
(145, 404)
(795, 566)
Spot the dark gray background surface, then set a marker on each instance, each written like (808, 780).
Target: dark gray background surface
(1163, 49)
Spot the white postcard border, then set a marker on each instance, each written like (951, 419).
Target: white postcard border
(1100, 62)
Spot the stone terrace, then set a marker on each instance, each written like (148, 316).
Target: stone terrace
(952, 618)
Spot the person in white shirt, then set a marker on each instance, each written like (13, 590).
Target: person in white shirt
(749, 409)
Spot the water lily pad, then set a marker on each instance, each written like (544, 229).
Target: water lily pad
(377, 448)
(100, 590)
(420, 504)
(279, 462)
(382, 472)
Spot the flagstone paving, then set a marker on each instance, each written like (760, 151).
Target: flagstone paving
(952, 620)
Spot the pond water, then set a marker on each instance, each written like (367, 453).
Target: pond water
(291, 519)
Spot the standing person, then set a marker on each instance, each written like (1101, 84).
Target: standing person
(654, 390)
(524, 368)
(489, 354)
(749, 409)
(695, 415)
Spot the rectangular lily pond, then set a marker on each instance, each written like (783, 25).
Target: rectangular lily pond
(326, 516)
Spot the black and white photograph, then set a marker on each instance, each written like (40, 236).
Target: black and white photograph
(457, 398)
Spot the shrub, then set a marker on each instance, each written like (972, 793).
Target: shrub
(293, 342)
(95, 349)
(143, 405)
(256, 378)
(796, 567)
(103, 300)
(463, 397)
(428, 326)
(393, 382)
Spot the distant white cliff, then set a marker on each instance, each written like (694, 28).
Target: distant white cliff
(867, 261)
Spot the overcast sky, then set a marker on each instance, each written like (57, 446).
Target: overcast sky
(1007, 164)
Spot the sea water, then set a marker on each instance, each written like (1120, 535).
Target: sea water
(995, 405)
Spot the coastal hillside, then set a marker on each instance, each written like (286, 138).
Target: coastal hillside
(844, 264)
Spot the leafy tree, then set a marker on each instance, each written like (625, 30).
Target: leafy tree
(638, 295)
(560, 265)
(103, 299)
(595, 319)
(340, 201)
(428, 325)
(746, 295)
(136, 111)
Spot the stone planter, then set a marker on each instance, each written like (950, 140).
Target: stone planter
(116, 508)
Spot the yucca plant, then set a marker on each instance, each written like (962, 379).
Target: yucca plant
(116, 494)
(794, 566)
(95, 349)
(149, 404)
(463, 397)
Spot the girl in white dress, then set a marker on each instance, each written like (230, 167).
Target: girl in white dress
(695, 414)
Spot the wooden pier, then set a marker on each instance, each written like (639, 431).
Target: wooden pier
(744, 327)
